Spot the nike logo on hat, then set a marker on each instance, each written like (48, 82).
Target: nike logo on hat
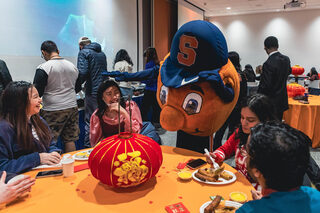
(183, 82)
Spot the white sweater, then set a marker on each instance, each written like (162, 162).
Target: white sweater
(123, 66)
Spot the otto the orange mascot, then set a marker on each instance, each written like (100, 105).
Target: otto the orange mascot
(198, 86)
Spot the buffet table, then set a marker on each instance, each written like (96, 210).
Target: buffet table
(305, 117)
(83, 193)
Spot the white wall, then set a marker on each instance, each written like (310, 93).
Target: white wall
(297, 31)
(26, 24)
(188, 12)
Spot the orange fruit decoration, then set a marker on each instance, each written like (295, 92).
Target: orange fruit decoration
(295, 89)
(125, 160)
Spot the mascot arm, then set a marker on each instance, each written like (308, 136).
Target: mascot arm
(225, 92)
(151, 73)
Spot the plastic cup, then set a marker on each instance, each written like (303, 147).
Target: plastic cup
(67, 167)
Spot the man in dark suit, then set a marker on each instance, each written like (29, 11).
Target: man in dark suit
(274, 76)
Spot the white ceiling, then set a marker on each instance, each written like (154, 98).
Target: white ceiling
(218, 7)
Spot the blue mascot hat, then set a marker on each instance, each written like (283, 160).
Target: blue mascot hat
(197, 46)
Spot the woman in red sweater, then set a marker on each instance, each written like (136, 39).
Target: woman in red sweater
(256, 109)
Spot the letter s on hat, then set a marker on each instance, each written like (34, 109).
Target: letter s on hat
(187, 55)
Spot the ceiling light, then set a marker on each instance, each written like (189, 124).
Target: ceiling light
(228, 8)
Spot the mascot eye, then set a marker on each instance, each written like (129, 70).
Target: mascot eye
(192, 103)
(163, 94)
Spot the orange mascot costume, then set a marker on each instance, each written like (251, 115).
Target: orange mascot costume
(198, 86)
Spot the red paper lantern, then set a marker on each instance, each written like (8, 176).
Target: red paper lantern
(125, 160)
(297, 70)
(295, 89)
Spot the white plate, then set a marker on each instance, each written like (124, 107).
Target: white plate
(85, 158)
(15, 178)
(227, 203)
(222, 181)
(45, 166)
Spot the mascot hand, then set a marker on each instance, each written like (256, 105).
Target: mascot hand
(225, 92)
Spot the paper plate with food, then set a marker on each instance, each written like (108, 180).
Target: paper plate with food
(83, 155)
(218, 206)
(214, 176)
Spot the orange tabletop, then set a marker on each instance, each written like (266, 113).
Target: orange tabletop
(83, 193)
(305, 117)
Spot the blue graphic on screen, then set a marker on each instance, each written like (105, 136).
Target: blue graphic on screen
(77, 26)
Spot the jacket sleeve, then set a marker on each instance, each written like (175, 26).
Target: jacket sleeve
(6, 77)
(83, 66)
(265, 80)
(53, 147)
(147, 74)
(7, 161)
(135, 117)
(40, 81)
(95, 129)
(228, 149)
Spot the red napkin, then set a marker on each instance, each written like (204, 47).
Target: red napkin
(81, 167)
(176, 208)
(181, 165)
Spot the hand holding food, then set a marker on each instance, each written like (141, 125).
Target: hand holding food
(218, 159)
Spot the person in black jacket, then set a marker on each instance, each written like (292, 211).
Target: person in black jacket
(5, 78)
(274, 76)
(91, 63)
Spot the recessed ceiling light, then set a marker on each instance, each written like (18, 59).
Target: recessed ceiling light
(228, 8)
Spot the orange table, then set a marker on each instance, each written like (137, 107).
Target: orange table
(83, 193)
(305, 117)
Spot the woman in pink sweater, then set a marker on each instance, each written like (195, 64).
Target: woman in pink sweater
(104, 121)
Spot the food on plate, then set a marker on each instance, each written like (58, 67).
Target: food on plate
(219, 206)
(185, 175)
(225, 209)
(238, 197)
(84, 154)
(213, 175)
(210, 208)
(204, 177)
(225, 175)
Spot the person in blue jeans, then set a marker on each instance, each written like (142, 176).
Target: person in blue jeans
(277, 157)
